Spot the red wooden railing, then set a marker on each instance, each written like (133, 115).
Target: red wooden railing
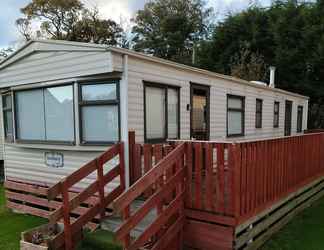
(168, 200)
(96, 187)
(143, 156)
(240, 180)
(211, 177)
(270, 170)
(231, 181)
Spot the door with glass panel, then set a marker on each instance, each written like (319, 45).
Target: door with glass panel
(199, 111)
(161, 112)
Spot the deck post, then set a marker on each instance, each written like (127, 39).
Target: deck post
(131, 149)
(235, 151)
(100, 180)
(66, 217)
(188, 183)
(124, 116)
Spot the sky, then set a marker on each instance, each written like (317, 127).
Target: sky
(119, 10)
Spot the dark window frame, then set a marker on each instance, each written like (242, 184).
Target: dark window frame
(288, 117)
(258, 123)
(300, 111)
(43, 142)
(5, 109)
(276, 114)
(165, 87)
(242, 110)
(82, 103)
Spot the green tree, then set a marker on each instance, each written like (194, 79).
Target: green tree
(289, 35)
(93, 29)
(67, 20)
(57, 17)
(248, 65)
(171, 28)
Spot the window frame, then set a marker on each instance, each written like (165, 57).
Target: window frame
(165, 87)
(8, 109)
(82, 103)
(44, 142)
(260, 101)
(276, 122)
(242, 110)
(299, 127)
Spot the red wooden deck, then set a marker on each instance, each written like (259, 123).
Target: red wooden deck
(203, 191)
(226, 184)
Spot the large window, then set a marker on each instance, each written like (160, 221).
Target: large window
(161, 112)
(45, 114)
(7, 117)
(99, 112)
(299, 119)
(258, 113)
(235, 115)
(276, 109)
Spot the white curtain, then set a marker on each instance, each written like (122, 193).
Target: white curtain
(45, 114)
(234, 122)
(97, 92)
(30, 115)
(100, 123)
(59, 113)
(155, 112)
(173, 113)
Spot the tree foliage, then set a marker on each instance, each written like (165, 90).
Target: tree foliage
(67, 20)
(248, 65)
(170, 28)
(289, 35)
(93, 29)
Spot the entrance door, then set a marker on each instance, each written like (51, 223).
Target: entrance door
(288, 113)
(199, 96)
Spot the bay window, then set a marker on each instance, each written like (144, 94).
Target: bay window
(161, 110)
(99, 112)
(235, 115)
(7, 116)
(45, 114)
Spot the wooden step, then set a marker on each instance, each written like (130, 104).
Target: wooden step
(113, 222)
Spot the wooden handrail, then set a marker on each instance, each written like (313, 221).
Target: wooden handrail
(68, 205)
(148, 204)
(167, 198)
(148, 179)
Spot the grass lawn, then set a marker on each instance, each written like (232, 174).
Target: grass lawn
(11, 225)
(304, 232)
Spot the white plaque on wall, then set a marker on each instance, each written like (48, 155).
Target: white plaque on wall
(54, 159)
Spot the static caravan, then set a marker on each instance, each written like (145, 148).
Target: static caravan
(65, 102)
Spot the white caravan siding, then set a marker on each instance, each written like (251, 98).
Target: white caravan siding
(49, 66)
(43, 63)
(1, 131)
(48, 62)
(141, 70)
(28, 164)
